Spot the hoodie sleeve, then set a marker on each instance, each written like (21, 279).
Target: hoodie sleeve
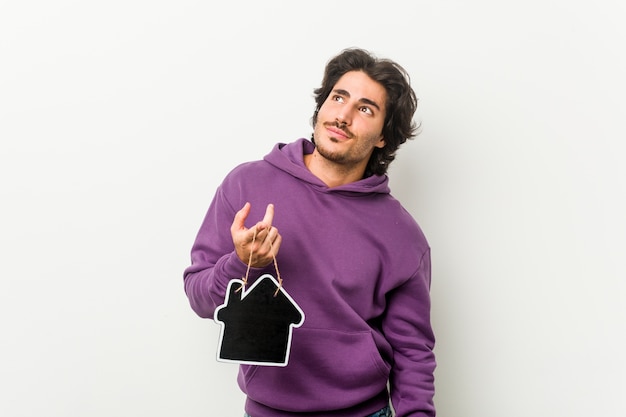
(407, 326)
(214, 261)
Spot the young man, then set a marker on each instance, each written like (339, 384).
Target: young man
(349, 254)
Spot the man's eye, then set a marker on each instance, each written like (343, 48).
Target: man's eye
(367, 110)
(338, 98)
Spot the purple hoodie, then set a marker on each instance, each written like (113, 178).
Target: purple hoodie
(357, 264)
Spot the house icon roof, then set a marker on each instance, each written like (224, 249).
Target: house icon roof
(257, 324)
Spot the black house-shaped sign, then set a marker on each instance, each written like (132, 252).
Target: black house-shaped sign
(257, 323)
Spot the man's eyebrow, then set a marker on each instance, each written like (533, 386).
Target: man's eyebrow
(372, 103)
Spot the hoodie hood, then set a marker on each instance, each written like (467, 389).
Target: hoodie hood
(290, 159)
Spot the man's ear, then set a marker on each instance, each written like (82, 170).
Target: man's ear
(380, 143)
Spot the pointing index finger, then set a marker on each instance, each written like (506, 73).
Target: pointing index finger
(268, 218)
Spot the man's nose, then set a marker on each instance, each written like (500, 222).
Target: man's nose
(344, 116)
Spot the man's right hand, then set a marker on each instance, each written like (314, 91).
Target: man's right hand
(258, 245)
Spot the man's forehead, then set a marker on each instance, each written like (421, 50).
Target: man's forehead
(360, 86)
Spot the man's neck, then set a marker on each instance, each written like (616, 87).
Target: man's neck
(331, 173)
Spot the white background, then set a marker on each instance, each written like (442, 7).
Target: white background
(119, 118)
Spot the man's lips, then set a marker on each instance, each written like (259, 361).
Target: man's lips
(338, 132)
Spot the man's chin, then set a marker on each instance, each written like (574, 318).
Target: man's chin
(330, 155)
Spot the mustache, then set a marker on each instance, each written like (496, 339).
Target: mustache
(341, 126)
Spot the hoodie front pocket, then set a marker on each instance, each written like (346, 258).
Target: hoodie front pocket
(335, 368)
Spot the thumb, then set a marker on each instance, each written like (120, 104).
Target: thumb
(240, 218)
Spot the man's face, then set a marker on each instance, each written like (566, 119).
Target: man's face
(350, 122)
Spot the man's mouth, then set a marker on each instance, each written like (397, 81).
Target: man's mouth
(342, 133)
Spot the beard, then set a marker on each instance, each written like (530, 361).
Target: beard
(337, 155)
(349, 153)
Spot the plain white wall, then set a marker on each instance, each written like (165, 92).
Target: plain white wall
(118, 119)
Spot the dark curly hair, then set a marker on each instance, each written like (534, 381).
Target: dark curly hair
(401, 100)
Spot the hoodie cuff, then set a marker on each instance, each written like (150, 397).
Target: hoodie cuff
(235, 268)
